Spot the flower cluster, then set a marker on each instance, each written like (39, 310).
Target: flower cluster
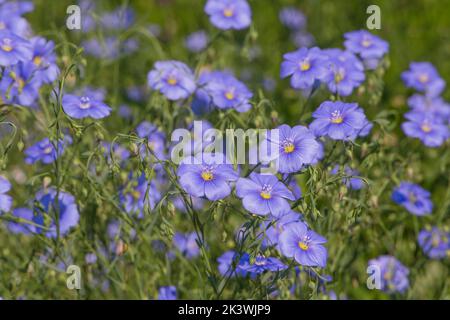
(429, 115)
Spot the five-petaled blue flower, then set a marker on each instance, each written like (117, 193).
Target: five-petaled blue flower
(305, 66)
(391, 272)
(84, 107)
(173, 79)
(229, 14)
(13, 49)
(414, 198)
(5, 200)
(423, 77)
(338, 120)
(304, 245)
(426, 127)
(368, 46)
(435, 242)
(263, 194)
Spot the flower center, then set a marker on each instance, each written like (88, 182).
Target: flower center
(37, 60)
(136, 194)
(423, 78)
(229, 95)
(305, 65)
(260, 260)
(85, 103)
(339, 76)
(48, 150)
(207, 175)
(266, 192)
(366, 43)
(20, 83)
(412, 197)
(336, 117)
(302, 245)
(172, 81)
(288, 146)
(7, 45)
(228, 12)
(425, 127)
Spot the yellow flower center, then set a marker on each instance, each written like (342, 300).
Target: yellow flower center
(338, 77)
(366, 43)
(229, 95)
(303, 246)
(48, 150)
(426, 127)
(207, 175)
(6, 47)
(228, 12)
(265, 195)
(423, 78)
(37, 60)
(288, 148)
(305, 66)
(20, 84)
(337, 120)
(136, 194)
(172, 81)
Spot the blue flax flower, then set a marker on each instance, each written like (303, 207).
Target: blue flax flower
(197, 41)
(368, 46)
(435, 242)
(424, 126)
(230, 264)
(5, 200)
(263, 264)
(305, 66)
(297, 147)
(346, 72)
(350, 181)
(156, 139)
(413, 198)
(19, 85)
(292, 18)
(186, 243)
(436, 107)
(264, 194)
(13, 49)
(393, 274)
(167, 293)
(338, 120)
(204, 178)
(84, 107)
(222, 90)
(43, 151)
(304, 245)
(423, 77)
(44, 60)
(229, 14)
(173, 79)
(271, 229)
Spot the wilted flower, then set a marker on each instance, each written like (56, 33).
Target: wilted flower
(84, 107)
(435, 242)
(264, 194)
(368, 46)
(393, 274)
(305, 66)
(423, 77)
(173, 79)
(338, 120)
(414, 198)
(229, 14)
(304, 245)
